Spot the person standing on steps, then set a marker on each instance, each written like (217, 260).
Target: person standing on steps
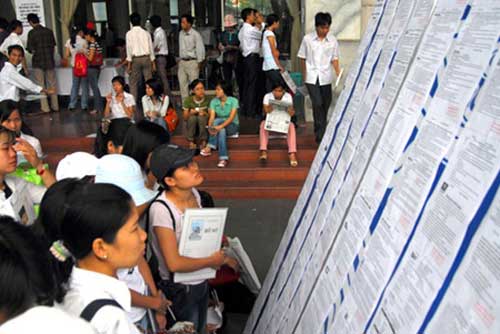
(191, 53)
(319, 57)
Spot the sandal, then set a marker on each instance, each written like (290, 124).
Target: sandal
(263, 155)
(222, 164)
(293, 160)
(206, 152)
(192, 146)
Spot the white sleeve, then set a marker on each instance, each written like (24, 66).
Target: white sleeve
(164, 106)
(112, 320)
(151, 48)
(129, 100)
(303, 49)
(200, 48)
(144, 102)
(35, 192)
(267, 97)
(21, 82)
(128, 46)
(335, 50)
(288, 98)
(160, 217)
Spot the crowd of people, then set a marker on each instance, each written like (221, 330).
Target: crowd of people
(73, 242)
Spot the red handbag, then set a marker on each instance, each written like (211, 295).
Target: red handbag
(171, 119)
(81, 65)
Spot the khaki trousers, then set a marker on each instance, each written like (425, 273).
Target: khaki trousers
(47, 79)
(187, 72)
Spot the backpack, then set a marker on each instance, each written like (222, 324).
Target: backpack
(81, 65)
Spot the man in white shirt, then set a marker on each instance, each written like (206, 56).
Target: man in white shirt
(16, 30)
(161, 51)
(140, 54)
(191, 53)
(250, 38)
(11, 81)
(319, 55)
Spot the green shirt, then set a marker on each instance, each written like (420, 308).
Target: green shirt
(225, 112)
(190, 103)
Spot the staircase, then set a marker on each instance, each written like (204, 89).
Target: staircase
(245, 177)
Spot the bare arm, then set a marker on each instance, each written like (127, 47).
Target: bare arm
(303, 66)
(336, 66)
(275, 52)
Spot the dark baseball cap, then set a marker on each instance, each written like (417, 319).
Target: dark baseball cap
(168, 157)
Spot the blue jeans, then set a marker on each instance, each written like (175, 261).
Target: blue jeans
(219, 140)
(158, 120)
(75, 90)
(93, 79)
(196, 306)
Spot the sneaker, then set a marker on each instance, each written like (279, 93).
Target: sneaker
(222, 164)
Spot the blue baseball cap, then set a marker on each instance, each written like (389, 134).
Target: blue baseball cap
(124, 172)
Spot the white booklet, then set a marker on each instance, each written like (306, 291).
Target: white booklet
(279, 119)
(201, 236)
(248, 275)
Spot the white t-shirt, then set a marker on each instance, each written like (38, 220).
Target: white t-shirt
(159, 107)
(20, 205)
(269, 62)
(160, 217)
(46, 320)
(81, 45)
(134, 280)
(269, 96)
(86, 286)
(117, 110)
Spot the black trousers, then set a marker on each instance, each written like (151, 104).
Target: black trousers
(250, 92)
(321, 98)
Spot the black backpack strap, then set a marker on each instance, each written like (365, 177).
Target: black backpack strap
(91, 309)
(169, 211)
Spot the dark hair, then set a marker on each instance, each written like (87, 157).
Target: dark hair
(15, 47)
(155, 21)
(135, 19)
(246, 12)
(89, 211)
(278, 85)
(14, 24)
(33, 18)
(10, 134)
(195, 83)
(226, 86)
(7, 107)
(322, 19)
(156, 86)
(3, 23)
(189, 18)
(119, 79)
(26, 277)
(74, 32)
(91, 33)
(142, 139)
(271, 19)
(115, 132)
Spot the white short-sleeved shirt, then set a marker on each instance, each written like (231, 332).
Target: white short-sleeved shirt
(46, 320)
(269, 96)
(12, 39)
(117, 110)
(33, 142)
(20, 205)
(134, 280)
(160, 107)
(81, 45)
(269, 62)
(86, 286)
(319, 56)
(250, 38)
(160, 217)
